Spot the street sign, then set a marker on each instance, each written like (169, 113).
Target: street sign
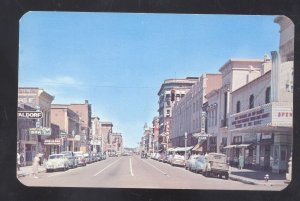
(30, 114)
(40, 131)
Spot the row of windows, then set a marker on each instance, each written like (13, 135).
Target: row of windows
(251, 100)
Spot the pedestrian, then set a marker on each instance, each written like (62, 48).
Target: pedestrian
(18, 161)
(241, 162)
(22, 160)
(35, 166)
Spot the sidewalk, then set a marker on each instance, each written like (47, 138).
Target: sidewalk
(256, 177)
(27, 171)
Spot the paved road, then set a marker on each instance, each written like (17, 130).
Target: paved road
(134, 172)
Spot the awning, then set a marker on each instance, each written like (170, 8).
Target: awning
(177, 149)
(198, 147)
(170, 149)
(243, 145)
(230, 146)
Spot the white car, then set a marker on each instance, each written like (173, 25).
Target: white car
(56, 162)
(178, 160)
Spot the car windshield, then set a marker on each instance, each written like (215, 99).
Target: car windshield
(219, 158)
(56, 156)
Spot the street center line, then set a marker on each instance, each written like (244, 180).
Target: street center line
(156, 168)
(106, 167)
(130, 165)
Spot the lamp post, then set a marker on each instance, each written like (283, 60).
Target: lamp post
(185, 141)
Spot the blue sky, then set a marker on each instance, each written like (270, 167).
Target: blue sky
(118, 61)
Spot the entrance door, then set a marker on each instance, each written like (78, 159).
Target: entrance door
(267, 157)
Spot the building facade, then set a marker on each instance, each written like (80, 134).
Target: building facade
(70, 127)
(262, 111)
(116, 143)
(96, 140)
(39, 100)
(106, 128)
(84, 111)
(188, 113)
(171, 91)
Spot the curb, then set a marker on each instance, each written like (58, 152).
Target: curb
(242, 180)
(27, 174)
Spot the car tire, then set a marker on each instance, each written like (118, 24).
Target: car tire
(226, 176)
(47, 170)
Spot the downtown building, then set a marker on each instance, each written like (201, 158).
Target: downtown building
(106, 129)
(255, 118)
(96, 140)
(170, 92)
(69, 127)
(188, 115)
(29, 141)
(115, 144)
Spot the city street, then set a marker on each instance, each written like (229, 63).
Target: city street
(134, 172)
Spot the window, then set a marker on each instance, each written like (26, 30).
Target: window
(237, 139)
(268, 95)
(238, 106)
(251, 101)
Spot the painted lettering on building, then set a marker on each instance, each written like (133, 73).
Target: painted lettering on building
(253, 118)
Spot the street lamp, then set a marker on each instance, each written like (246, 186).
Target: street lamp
(185, 139)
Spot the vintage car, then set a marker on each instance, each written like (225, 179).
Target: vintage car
(216, 165)
(178, 160)
(80, 158)
(71, 157)
(56, 162)
(144, 154)
(190, 163)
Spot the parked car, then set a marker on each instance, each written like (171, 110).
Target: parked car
(93, 157)
(178, 159)
(190, 163)
(156, 157)
(169, 158)
(57, 161)
(87, 158)
(144, 154)
(103, 156)
(71, 157)
(162, 157)
(80, 158)
(216, 165)
(199, 164)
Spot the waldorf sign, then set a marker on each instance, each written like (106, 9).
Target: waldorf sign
(30, 114)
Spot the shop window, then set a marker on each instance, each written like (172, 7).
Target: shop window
(251, 101)
(237, 139)
(268, 95)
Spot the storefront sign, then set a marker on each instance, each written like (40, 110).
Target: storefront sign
(40, 131)
(30, 114)
(252, 118)
(266, 137)
(53, 142)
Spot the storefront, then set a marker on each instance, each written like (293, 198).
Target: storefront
(265, 135)
(53, 146)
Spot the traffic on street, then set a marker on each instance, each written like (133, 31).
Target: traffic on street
(134, 171)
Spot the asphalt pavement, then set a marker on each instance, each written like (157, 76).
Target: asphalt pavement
(253, 177)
